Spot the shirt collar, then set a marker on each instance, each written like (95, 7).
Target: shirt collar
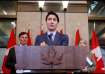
(22, 45)
(49, 32)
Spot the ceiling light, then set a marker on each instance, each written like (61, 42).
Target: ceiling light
(13, 23)
(65, 4)
(41, 4)
(89, 11)
(4, 12)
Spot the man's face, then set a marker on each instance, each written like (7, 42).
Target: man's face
(51, 22)
(82, 43)
(23, 39)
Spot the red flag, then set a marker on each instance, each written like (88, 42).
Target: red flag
(97, 54)
(77, 38)
(11, 43)
(12, 39)
(41, 30)
(29, 42)
(61, 31)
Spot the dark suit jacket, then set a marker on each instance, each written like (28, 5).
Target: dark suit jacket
(11, 60)
(60, 39)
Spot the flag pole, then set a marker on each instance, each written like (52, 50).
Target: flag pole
(28, 26)
(41, 19)
(65, 9)
(29, 29)
(41, 25)
(94, 25)
(41, 16)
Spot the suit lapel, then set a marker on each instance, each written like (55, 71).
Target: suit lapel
(47, 39)
(56, 38)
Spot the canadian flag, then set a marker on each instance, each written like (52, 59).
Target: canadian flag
(97, 54)
(29, 42)
(77, 38)
(61, 31)
(11, 43)
(41, 30)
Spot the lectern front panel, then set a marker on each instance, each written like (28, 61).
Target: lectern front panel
(50, 57)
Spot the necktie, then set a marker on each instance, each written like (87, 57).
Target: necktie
(50, 36)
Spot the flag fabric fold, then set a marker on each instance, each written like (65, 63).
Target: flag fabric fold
(77, 38)
(11, 43)
(41, 29)
(12, 39)
(29, 42)
(97, 54)
(61, 31)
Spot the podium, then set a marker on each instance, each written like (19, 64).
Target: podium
(51, 57)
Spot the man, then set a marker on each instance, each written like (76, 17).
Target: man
(52, 37)
(11, 60)
(23, 38)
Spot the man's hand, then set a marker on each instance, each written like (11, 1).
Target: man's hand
(85, 69)
(7, 52)
(43, 44)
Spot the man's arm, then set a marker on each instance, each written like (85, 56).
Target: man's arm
(37, 41)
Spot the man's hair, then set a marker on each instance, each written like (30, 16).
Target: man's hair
(52, 13)
(22, 33)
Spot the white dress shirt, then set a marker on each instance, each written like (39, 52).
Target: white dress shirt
(53, 36)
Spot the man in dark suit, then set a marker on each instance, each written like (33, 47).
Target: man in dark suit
(11, 60)
(52, 37)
